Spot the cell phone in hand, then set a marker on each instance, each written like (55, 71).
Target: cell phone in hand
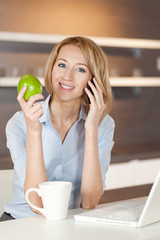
(89, 88)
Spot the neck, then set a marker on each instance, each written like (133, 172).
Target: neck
(64, 112)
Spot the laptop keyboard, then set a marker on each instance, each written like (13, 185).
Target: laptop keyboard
(132, 214)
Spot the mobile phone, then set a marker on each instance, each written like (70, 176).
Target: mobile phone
(89, 88)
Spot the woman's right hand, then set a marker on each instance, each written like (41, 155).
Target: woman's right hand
(32, 112)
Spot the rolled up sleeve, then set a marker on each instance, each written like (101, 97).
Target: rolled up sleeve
(16, 143)
(105, 145)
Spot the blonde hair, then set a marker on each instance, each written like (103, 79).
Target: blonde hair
(97, 63)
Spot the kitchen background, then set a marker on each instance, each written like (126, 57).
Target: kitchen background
(135, 110)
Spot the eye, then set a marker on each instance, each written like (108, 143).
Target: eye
(62, 65)
(81, 70)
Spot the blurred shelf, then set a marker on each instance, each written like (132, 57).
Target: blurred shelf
(6, 162)
(137, 151)
(135, 81)
(115, 81)
(21, 37)
(125, 193)
(43, 43)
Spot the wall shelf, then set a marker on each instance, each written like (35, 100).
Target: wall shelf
(102, 41)
(115, 81)
(135, 81)
(24, 42)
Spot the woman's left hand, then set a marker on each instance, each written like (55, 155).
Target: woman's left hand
(97, 105)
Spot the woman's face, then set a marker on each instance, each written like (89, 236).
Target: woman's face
(70, 74)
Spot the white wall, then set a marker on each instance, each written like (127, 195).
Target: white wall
(6, 178)
(135, 172)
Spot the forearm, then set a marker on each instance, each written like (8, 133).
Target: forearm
(91, 185)
(35, 168)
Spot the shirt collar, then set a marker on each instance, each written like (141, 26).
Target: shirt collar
(46, 114)
(82, 114)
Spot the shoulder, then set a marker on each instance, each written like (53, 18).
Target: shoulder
(106, 127)
(16, 123)
(16, 131)
(107, 123)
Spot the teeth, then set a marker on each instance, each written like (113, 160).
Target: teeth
(66, 87)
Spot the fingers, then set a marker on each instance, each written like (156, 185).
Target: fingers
(31, 100)
(97, 98)
(97, 86)
(35, 98)
(20, 96)
(36, 107)
(35, 112)
(31, 110)
(90, 95)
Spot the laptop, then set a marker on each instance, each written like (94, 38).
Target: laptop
(136, 212)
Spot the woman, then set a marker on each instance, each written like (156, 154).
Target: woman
(64, 137)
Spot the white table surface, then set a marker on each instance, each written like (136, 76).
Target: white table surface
(38, 228)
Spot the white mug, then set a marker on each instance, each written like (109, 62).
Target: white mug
(55, 197)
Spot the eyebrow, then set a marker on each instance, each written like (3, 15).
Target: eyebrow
(77, 63)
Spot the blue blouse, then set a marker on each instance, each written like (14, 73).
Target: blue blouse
(63, 162)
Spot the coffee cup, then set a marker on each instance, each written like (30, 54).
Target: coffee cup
(55, 198)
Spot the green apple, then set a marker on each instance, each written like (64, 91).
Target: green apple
(33, 86)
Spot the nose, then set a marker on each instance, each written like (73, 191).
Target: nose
(68, 74)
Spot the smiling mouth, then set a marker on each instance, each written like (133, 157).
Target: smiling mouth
(66, 87)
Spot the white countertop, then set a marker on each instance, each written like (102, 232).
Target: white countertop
(34, 228)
